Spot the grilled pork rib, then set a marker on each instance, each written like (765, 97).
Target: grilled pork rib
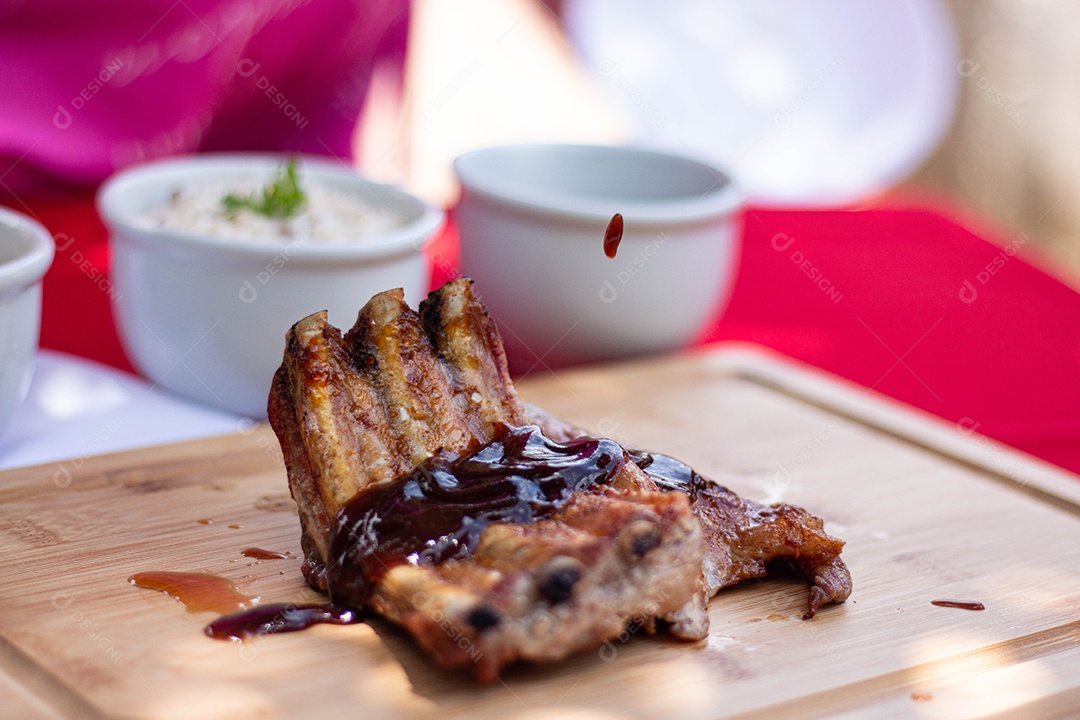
(370, 424)
(742, 537)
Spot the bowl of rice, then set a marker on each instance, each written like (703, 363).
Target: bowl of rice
(216, 256)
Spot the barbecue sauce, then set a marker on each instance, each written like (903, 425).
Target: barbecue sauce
(669, 474)
(959, 604)
(274, 618)
(439, 511)
(613, 235)
(260, 554)
(198, 592)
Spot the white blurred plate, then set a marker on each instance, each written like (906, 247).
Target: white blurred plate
(808, 103)
(77, 408)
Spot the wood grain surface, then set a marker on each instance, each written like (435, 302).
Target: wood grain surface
(927, 513)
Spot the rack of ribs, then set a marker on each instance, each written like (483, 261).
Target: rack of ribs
(491, 531)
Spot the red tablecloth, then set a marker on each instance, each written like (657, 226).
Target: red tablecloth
(905, 299)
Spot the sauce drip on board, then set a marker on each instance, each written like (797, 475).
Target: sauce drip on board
(260, 554)
(959, 604)
(198, 592)
(274, 618)
(438, 512)
(613, 235)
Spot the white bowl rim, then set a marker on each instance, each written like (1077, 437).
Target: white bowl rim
(29, 267)
(722, 199)
(408, 238)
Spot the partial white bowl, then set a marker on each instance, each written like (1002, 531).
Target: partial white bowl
(26, 251)
(532, 220)
(206, 317)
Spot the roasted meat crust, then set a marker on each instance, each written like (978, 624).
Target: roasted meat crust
(547, 589)
(358, 411)
(742, 538)
(355, 412)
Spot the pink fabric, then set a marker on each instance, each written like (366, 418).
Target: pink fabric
(923, 304)
(89, 88)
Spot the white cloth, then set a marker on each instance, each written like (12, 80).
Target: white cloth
(77, 408)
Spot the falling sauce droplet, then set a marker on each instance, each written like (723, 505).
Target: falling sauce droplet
(613, 235)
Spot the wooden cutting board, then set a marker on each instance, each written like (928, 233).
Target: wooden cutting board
(928, 512)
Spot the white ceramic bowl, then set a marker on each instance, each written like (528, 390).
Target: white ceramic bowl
(532, 220)
(206, 317)
(26, 251)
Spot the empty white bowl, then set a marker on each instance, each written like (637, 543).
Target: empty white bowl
(26, 251)
(205, 316)
(532, 220)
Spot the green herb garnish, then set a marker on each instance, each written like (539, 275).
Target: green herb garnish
(282, 198)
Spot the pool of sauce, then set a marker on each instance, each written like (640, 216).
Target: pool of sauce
(260, 554)
(438, 512)
(198, 592)
(274, 618)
